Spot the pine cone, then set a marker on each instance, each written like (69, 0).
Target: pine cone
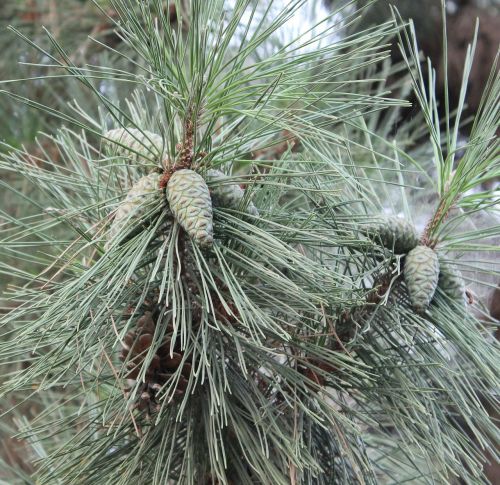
(228, 195)
(392, 232)
(141, 146)
(190, 202)
(136, 209)
(162, 366)
(451, 282)
(421, 273)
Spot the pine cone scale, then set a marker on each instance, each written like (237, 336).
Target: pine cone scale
(190, 202)
(421, 273)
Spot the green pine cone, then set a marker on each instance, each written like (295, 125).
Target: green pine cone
(190, 202)
(421, 273)
(135, 208)
(143, 147)
(392, 232)
(227, 194)
(451, 282)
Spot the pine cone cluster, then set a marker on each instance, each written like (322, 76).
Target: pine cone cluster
(187, 194)
(423, 271)
(162, 367)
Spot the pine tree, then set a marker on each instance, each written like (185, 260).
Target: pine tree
(214, 309)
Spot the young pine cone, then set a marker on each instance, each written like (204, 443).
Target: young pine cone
(392, 232)
(141, 146)
(229, 195)
(421, 273)
(190, 202)
(451, 282)
(162, 366)
(136, 209)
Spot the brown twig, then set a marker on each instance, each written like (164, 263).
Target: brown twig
(185, 153)
(441, 213)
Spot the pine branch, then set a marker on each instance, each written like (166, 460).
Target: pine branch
(211, 333)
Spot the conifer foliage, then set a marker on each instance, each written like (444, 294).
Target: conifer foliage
(213, 296)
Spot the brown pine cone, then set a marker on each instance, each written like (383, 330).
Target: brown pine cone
(162, 366)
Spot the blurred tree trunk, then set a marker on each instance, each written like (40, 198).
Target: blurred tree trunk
(462, 15)
(461, 31)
